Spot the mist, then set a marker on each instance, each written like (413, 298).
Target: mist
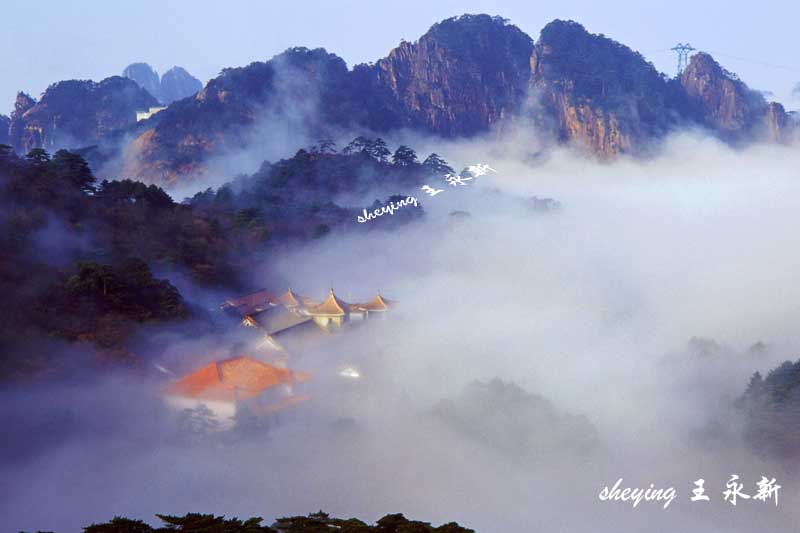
(535, 358)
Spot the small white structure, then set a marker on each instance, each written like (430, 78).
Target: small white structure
(144, 115)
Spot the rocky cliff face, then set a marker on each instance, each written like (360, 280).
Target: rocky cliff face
(607, 98)
(74, 114)
(726, 105)
(779, 127)
(16, 128)
(145, 76)
(599, 93)
(462, 76)
(175, 84)
(236, 107)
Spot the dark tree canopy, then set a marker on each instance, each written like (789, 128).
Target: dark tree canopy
(435, 164)
(85, 252)
(318, 522)
(771, 409)
(404, 157)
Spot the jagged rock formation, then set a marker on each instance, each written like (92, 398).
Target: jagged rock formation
(462, 76)
(598, 92)
(16, 128)
(5, 122)
(466, 75)
(227, 113)
(175, 84)
(145, 76)
(609, 99)
(75, 113)
(726, 105)
(778, 122)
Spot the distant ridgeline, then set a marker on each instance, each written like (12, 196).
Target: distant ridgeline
(83, 251)
(174, 85)
(465, 76)
(314, 523)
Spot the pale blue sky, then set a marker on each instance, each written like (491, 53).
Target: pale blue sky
(46, 41)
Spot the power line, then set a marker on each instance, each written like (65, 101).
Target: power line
(756, 62)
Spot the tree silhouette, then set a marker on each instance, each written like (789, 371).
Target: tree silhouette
(404, 157)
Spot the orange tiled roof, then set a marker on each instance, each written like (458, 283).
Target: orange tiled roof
(222, 380)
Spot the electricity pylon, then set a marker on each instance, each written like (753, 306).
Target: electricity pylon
(683, 55)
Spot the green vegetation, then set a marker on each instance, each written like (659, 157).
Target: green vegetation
(78, 257)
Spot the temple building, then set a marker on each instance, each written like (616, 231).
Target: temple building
(228, 386)
(300, 321)
(377, 307)
(332, 313)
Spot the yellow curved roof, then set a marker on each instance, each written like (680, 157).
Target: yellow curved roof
(379, 303)
(332, 306)
(289, 299)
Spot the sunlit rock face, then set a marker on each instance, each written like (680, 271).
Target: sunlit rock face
(722, 102)
(779, 126)
(464, 75)
(608, 99)
(727, 106)
(599, 93)
(460, 78)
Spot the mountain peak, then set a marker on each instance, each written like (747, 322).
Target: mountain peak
(144, 75)
(316, 62)
(561, 28)
(598, 92)
(464, 76)
(574, 52)
(175, 84)
(459, 78)
(722, 101)
(22, 103)
(451, 31)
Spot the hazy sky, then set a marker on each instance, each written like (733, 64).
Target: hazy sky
(47, 41)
